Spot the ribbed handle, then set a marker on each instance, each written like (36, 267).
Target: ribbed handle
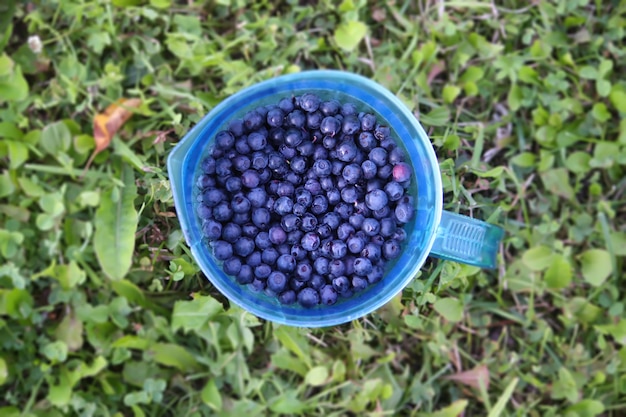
(466, 240)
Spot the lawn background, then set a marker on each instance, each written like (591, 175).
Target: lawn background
(525, 104)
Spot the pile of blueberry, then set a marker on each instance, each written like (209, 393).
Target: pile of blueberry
(305, 200)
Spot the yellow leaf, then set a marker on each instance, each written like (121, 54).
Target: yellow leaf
(106, 124)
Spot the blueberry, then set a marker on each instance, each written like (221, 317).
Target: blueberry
(303, 272)
(277, 282)
(269, 256)
(298, 252)
(309, 102)
(250, 178)
(262, 271)
(349, 109)
(378, 156)
(240, 204)
(374, 184)
(313, 186)
(382, 213)
(241, 218)
(232, 266)
(293, 137)
(295, 119)
(224, 140)
(359, 284)
(350, 125)
(245, 275)
(321, 265)
(277, 235)
(332, 219)
(295, 236)
(236, 127)
(309, 222)
(322, 168)
(223, 167)
(290, 222)
(371, 226)
(308, 298)
(382, 132)
(367, 141)
(356, 220)
(328, 295)
(286, 105)
(356, 244)
(244, 246)
(338, 249)
(344, 231)
(233, 184)
(283, 206)
(276, 136)
(212, 229)
(319, 204)
(208, 165)
(394, 191)
(376, 274)
(285, 189)
(252, 120)
(298, 164)
(259, 160)
(327, 183)
(387, 227)
(329, 142)
(303, 196)
(262, 240)
(391, 249)
(399, 235)
(376, 199)
(286, 263)
(314, 120)
(396, 156)
(350, 194)
(275, 117)
(241, 145)
(204, 211)
(334, 196)
(336, 268)
(352, 173)
(330, 108)
(222, 212)
(287, 297)
(306, 147)
(344, 210)
(258, 285)
(372, 252)
(257, 197)
(262, 110)
(385, 171)
(254, 259)
(362, 266)
(299, 210)
(377, 240)
(222, 250)
(316, 282)
(346, 151)
(310, 241)
(205, 181)
(231, 232)
(401, 172)
(324, 231)
(341, 284)
(330, 126)
(249, 230)
(368, 122)
(341, 183)
(404, 212)
(297, 285)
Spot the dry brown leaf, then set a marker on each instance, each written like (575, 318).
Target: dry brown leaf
(106, 125)
(473, 378)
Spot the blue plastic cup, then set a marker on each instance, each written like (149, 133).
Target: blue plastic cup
(432, 231)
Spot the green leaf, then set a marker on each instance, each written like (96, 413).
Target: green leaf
(70, 332)
(559, 273)
(588, 72)
(316, 376)
(596, 266)
(18, 153)
(618, 99)
(288, 403)
(55, 138)
(600, 112)
(453, 410)
(450, 93)
(557, 182)
(524, 159)
(192, 315)
(439, 116)
(538, 258)
(132, 342)
(500, 405)
(4, 371)
(211, 396)
(349, 34)
(116, 223)
(450, 308)
(169, 354)
(13, 85)
(472, 74)
(515, 97)
(128, 290)
(283, 359)
(289, 338)
(586, 408)
(618, 242)
(578, 162)
(55, 351)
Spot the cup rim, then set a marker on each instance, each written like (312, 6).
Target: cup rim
(178, 154)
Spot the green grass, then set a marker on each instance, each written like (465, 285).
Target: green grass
(525, 106)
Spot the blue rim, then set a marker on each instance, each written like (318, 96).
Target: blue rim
(184, 160)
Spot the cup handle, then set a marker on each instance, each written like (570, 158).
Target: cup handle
(467, 240)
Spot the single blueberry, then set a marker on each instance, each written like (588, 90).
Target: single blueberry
(259, 160)
(245, 275)
(352, 173)
(222, 250)
(252, 120)
(356, 220)
(208, 165)
(241, 218)
(309, 102)
(204, 211)
(399, 235)
(277, 235)
(321, 265)
(401, 172)
(384, 172)
(244, 246)
(277, 282)
(262, 240)
(310, 241)
(298, 252)
(332, 219)
(303, 196)
(224, 139)
(276, 136)
(356, 244)
(327, 183)
(232, 266)
(233, 184)
(330, 108)
(275, 117)
(336, 268)
(348, 109)
(306, 147)
(212, 229)
(222, 212)
(297, 285)
(387, 227)
(344, 210)
(286, 105)
(258, 285)
(394, 191)
(308, 298)
(319, 204)
(376, 199)
(313, 186)
(205, 181)
(295, 119)
(262, 271)
(324, 231)
(322, 168)
(283, 206)
(223, 167)
(290, 222)
(403, 212)
(350, 194)
(330, 126)
(295, 236)
(344, 231)
(303, 272)
(298, 164)
(314, 120)
(240, 204)
(328, 295)
(293, 137)
(254, 259)
(231, 232)
(329, 142)
(250, 178)
(316, 282)
(368, 122)
(371, 226)
(372, 252)
(299, 210)
(346, 151)
(341, 284)
(362, 266)
(269, 256)
(381, 213)
(359, 284)
(391, 249)
(287, 297)
(396, 156)
(309, 222)
(367, 141)
(241, 145)
(382, 132)
(350, 125)
(378, 156)
(338, 249)
(236, 127)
